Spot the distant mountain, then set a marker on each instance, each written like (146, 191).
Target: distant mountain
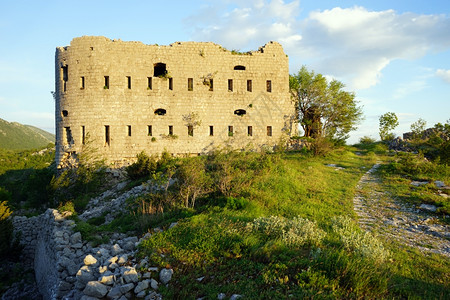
(16, 136)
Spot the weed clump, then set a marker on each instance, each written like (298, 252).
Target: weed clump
(293, 232)
(362, 243)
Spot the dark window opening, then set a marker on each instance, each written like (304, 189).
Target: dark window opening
(149, 130)
(129, 130)
(170, 83)
(83, 135)
(159, 70)
(190, 84)
(170, 130)
(230, 130)
(160, 112)
(269, 85)
(65, 76)
(65, 113)
(211, 130)
(239, 67)
(269, 130)
(190, 130)
(240, 112)
(68, 134)
(82, 82)
(106, 82)
(250, 131)
(107, 135)
(129, 82)
(249, 85)
(230, 85)
(211, 84)
(149, 83)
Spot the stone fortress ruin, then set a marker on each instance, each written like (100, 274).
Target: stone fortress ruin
(187, 98)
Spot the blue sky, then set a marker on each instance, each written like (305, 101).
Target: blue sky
(395, 55)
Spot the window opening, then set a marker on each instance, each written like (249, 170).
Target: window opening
(240, 112)
(83, 135)
(170, 130)
(230, 85)
(250, 131)
(65, 76)
(149, 83)
(211, 84)
(211, 130)
(82, 82)
(107, 135)
(129, 130)
(269, 85)
(65, 113)
(106, 82)
(68, 133)
(160, 112)
(149, 130)
(190, 84)
(230, 130)
(129, 82)
(249, 85)
(269, 130)
(239, 67)
(170, 83)
(159, 70)
(190, 130)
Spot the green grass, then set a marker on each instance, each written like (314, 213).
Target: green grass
(216, 243)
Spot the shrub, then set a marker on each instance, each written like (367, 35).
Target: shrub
(293, 232)
(6, 229)
(366, 140)
(144, 166)
(361, 242)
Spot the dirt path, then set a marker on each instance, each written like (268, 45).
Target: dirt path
(398, 221)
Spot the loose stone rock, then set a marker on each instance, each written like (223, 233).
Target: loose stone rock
(165, 275)
(95, 289)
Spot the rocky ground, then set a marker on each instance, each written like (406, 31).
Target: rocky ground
(414, 226)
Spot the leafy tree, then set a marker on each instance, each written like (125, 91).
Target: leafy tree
(324, 109)
(388, 122)
(418, 128)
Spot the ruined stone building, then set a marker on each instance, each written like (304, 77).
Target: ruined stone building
(186, 98)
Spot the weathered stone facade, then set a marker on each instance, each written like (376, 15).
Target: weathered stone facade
(186, 98)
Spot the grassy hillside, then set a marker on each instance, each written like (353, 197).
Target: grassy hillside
(15, 136)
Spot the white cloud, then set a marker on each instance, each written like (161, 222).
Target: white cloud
(409, 88)
(353, 45)
(358, 44)
(444, 74)
(246, 25)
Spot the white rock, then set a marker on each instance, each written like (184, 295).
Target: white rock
(235, 296)
(108, 280)
(115, 249)
(143, 285)
(130, 275)
(439, 184)
(428, 207)
(418, 183)
(154, 284)
(89, 260)
(126, 288)
(165, 275)
(95, 289)
(221, 296)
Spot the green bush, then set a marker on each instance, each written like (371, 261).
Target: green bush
(144, 166)
(6, 229)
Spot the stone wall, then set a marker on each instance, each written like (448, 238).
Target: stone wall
(50, 248)
(186, 98)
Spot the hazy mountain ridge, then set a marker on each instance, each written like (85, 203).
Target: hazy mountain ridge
(16, 136)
